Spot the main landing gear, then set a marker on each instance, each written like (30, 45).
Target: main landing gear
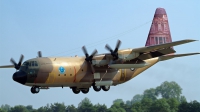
(35, 89)
(86, 90)
(83, 90)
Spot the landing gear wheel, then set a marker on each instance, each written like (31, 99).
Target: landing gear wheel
(85, 91)
(35, 89)
(76, 90)
(105, 88)
(97, 88)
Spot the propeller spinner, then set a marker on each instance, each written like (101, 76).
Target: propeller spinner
(114, 53)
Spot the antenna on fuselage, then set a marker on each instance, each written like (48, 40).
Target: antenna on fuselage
(39, 54)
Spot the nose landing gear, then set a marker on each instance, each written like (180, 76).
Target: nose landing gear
(35, 89)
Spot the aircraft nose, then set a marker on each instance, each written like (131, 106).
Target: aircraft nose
(20, 77)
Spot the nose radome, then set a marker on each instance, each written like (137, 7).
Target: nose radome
(20, 77)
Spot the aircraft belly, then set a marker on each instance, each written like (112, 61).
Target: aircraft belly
(129, 74)
(151, 62)
(66, 84)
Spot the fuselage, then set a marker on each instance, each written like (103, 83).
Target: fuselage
(73, 72)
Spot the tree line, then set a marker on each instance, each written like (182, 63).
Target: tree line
(165, 98)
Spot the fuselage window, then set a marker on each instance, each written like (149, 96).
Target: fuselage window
(32, 63)
(36, 63)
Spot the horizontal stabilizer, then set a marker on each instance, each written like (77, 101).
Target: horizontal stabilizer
(128, 66)
(7, 66)
(166, 57)
(161, 46)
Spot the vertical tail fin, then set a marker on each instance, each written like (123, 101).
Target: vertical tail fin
(159, 32)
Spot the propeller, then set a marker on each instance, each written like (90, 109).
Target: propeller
(114, 53)
(89, 58)
(39, 54)
(17, 65)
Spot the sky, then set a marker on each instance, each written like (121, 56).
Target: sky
(61, 28)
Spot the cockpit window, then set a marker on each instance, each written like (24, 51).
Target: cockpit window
(33, 63)
(30, 64)
(36, 63)
(25, 64)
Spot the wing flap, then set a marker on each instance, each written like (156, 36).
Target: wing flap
(166, 57)
(161, 46)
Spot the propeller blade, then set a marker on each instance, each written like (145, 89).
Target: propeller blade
(117, 46)
(85, 51)
(13, 62)
(17, 65)
(89, 58)
(108, 48)
(20, 60)
(94, 53)
(39, 54)
(115, 52)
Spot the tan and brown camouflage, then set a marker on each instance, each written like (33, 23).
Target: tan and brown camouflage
(78, 74)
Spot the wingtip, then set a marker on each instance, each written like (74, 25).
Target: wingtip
(191, 40)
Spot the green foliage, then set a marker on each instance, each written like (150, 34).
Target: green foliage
(169, 90)
(58, 107)
(160, 105)
(173, 103)
(18, 108)
(136, 107)
(182, 99)
(118, 101)
(85, 106)
(117, 107)
(146, 104)
(193, 106)
(136, 98)
(165, 98)
(100, 108)
(1, 110)
(5, 107)
(71, 108)
(45, 109)
(150, 93)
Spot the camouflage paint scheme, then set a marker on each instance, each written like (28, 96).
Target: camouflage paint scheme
(75, 72)
(78, 72)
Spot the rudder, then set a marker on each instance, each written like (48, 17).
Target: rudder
(159, 32)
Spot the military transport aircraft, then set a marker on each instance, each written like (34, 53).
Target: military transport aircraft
(99, 71)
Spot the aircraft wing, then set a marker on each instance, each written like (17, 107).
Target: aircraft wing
(166, 57)
(7, 66)
(161, 46)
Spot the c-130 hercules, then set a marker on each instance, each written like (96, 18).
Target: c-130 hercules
(99, 70)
